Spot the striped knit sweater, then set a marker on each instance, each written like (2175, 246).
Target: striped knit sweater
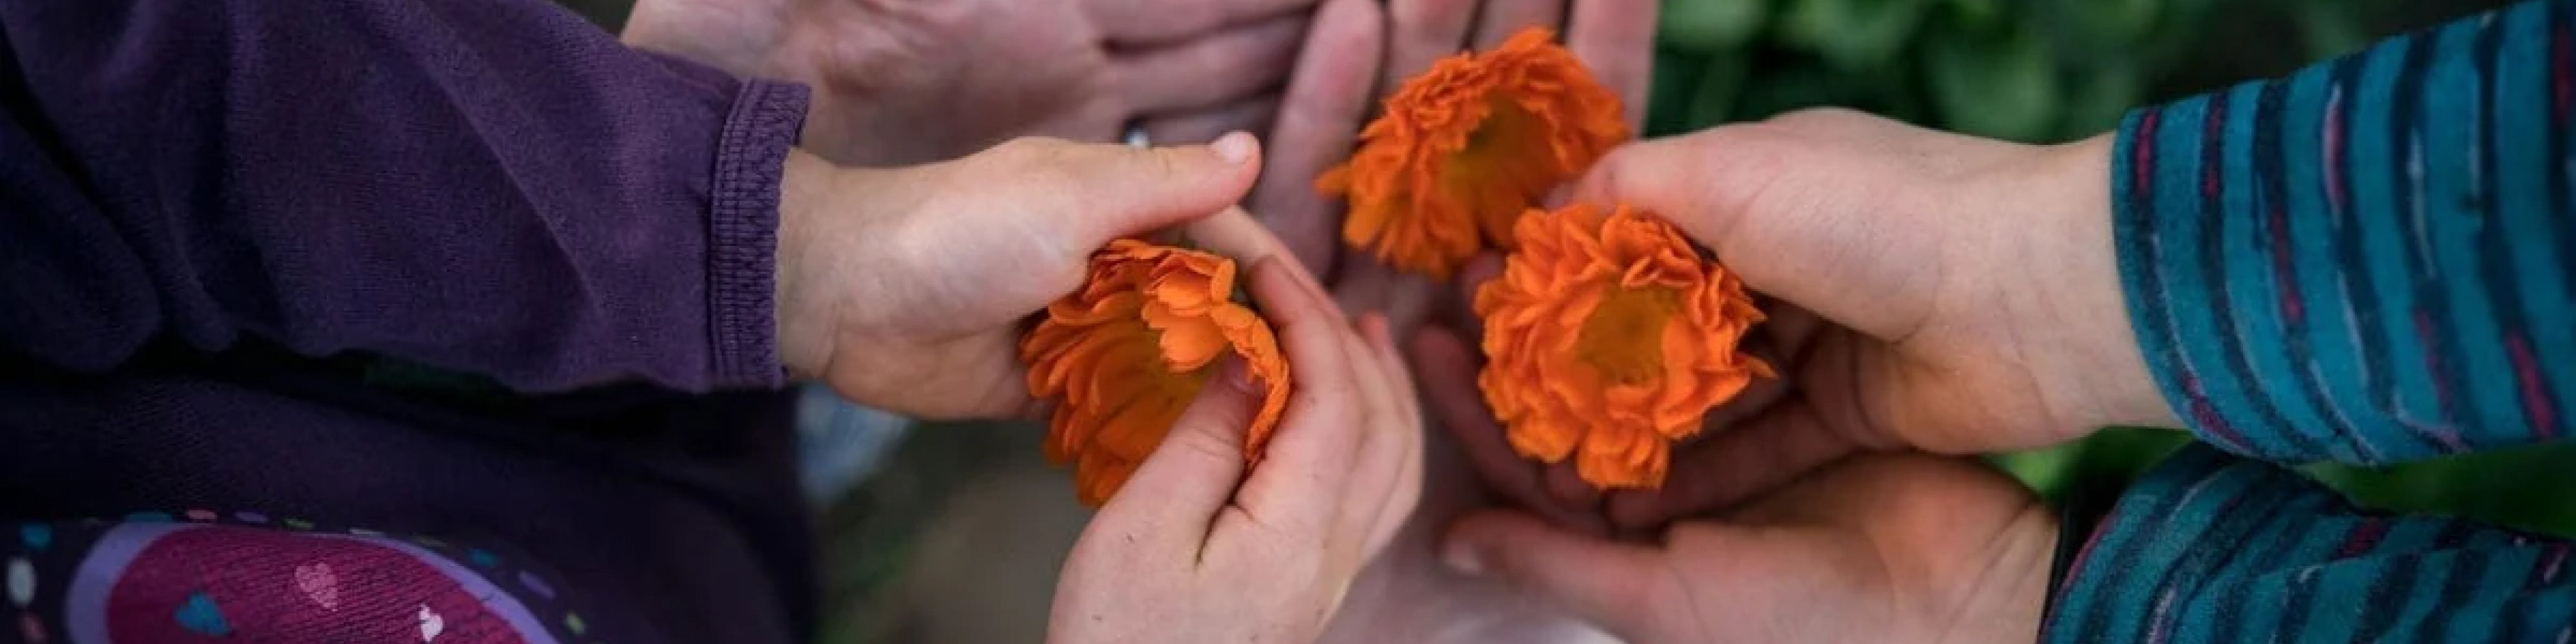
(2371, 261)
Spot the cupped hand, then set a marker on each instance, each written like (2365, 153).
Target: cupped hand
(1927, 291)
(900, 82)
(1933, 291)
(1897, 547)
(906, 288)
(1194, 548)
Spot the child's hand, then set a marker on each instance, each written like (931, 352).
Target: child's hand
(1194, 549)
(906, 288)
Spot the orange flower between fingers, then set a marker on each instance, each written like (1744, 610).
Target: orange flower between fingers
(1125, 354)
(1464, 148)
(1607, 339)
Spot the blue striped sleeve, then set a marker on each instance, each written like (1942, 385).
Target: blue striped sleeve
(2372, 260)
(2212, 548)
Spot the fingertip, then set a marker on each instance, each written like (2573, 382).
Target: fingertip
(1373, 327)
(1237, 147)
(1467, 547)
(1634, 511)
(1569, 487)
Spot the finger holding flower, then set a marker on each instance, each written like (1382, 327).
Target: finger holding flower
(1195, 548)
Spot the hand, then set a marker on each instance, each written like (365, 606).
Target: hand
(1933, 291)
(1936, 291)
(1192, 549)
(905, 289)
(1407, 595)
(1882, 548)
(899, 82)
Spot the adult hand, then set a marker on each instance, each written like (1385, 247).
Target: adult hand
(1194, 549)
(1934, 291)
(905, 288)
(899, 82)
(1881, 548)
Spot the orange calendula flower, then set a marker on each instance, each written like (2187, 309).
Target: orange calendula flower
(1464, 148)
(1125, 354)
(1607, 338)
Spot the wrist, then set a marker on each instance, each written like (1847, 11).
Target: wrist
(2014, 606)
(807, 311)
(2075, 307)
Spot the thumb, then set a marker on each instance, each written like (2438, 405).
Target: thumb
(1603, 582)
(1194, 472)
(1800, 224)
(1116, 191)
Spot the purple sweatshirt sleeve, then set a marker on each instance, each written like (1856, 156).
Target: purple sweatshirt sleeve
(488, 186)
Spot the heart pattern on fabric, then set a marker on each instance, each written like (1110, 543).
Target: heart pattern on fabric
(431, 624)
(319, 583)
(200, 615)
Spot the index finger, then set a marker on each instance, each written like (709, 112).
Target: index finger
(1298, 485)
(1318, 121)
(1616, 38)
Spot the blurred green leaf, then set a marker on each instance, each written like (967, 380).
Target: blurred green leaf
(2004, 87)
(1981, 14)
(1852, 34)
(2522, 488)
(1669, 96)
(2098, 98)
(2101, 24)
(2108, 460)
(1791, 88)
(1721, 81)
(1712, 25)
(2330, 28)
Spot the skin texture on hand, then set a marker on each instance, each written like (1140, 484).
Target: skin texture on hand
(1880, 548)
(905, 288)
(1195, 549)
(900, 82)
(1929, 291)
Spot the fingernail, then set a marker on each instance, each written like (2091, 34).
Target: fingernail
(1463, 560)
(1234, 147)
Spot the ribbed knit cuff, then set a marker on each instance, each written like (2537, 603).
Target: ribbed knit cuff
(742, 257)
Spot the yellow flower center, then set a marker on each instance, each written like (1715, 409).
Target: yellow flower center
(1623, 339)
(1507, 159)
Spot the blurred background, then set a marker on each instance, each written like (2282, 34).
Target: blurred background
(952, 533)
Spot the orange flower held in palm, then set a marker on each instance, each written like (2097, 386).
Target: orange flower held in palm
(1607, 339)
(1464, 148)
(1125, 354)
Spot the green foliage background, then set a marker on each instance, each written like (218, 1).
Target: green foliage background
(2057, 70)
